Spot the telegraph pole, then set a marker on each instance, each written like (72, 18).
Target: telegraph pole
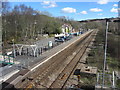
(105, 53)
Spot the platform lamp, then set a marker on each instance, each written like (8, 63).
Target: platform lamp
(14, 54)
(35, 28)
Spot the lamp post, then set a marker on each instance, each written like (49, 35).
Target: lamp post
(41, 31)
(34, 28)
(14, 54)
(105, 54)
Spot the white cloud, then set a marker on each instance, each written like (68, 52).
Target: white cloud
(95, 10)
(69, 10)
(53, 4)
(114, 10)
(115, 5)
(102, 1)
(83, 12)
(100, 14)
(49, 4)
(45, 2)
(118, 9)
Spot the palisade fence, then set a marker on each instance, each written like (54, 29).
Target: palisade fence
(110, 80)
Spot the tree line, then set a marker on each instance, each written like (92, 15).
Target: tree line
(23, 22)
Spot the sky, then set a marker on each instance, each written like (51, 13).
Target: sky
(75, 10)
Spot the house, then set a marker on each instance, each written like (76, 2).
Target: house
(67, 28)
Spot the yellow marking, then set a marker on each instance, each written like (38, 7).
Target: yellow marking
(63, 76)
(29, 86)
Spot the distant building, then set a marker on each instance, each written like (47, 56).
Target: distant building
(67, 28)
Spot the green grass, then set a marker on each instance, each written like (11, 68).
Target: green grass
(88, 80)
(96, 58)
(118, 83)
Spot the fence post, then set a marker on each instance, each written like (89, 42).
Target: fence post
(113, 79)
(97, 78)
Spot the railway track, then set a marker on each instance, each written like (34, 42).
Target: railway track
(68, 70)
(54, 74)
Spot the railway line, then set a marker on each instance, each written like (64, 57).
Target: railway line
(68, 70)
(79, 65)
(55, 72)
